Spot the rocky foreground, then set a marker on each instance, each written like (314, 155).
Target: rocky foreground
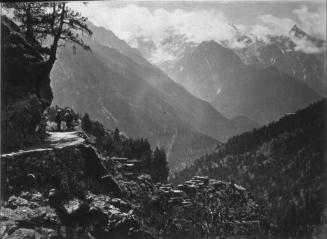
(66, 189)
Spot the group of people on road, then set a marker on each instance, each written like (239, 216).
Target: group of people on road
(66, 116)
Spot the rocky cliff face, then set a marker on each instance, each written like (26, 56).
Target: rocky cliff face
(25, 89)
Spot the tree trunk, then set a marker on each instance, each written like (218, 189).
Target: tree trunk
(57, 33)
(29, 30)
(53, 53)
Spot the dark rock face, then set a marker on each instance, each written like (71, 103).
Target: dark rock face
(25, 87)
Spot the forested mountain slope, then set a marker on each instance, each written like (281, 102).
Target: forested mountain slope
(282, 163)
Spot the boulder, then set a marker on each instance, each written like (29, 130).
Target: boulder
(71, 207)
(27, 216)
(24, 233)
(111, 185)
(93, 166)
(121, 204)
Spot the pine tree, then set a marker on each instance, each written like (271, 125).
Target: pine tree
(86, 123)
(52, 22)
(116, 136)
(28, 15)
(159, 168)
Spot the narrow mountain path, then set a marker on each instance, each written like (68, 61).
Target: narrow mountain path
(63, 139)
(53, 140)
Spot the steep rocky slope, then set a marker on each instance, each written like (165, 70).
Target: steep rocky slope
(196, 114)
(283, 164)
(107, 38)
(25, 89)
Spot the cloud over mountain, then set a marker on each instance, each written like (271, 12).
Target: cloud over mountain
(132, 22)
(314, 23)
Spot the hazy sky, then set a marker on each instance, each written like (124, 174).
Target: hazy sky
(198, 21)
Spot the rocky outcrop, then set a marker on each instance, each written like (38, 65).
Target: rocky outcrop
(25, 89)
(207, 208)
(66, 189)
(29, 215)
(69, 168)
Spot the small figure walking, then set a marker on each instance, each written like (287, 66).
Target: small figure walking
(58, 119)
(69, 119)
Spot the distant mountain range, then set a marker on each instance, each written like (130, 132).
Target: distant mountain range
(207, 68)
(261, 81)
(281, 163)
(285, 53)
(118, 87)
